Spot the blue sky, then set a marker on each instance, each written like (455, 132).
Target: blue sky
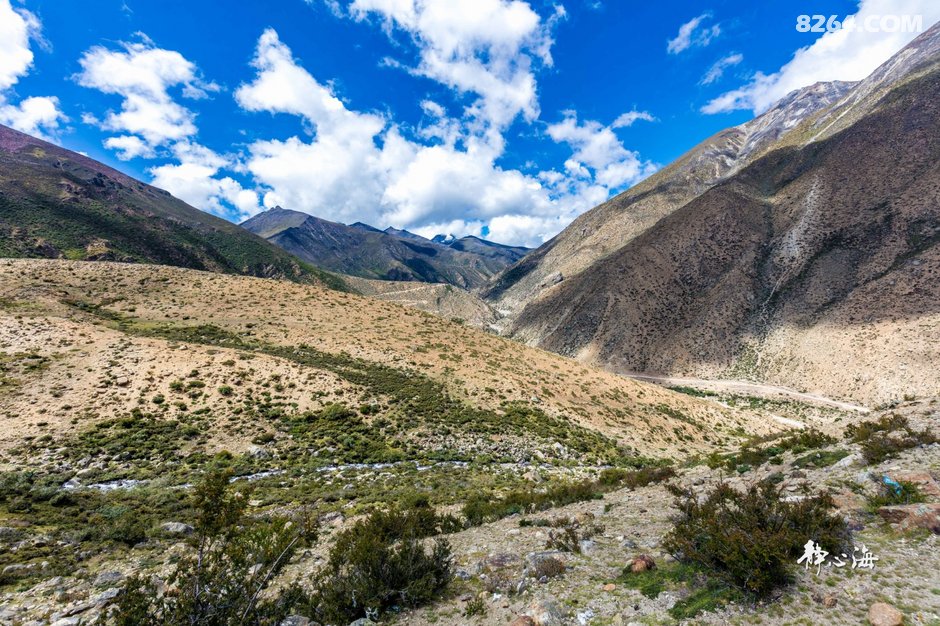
(497, 117)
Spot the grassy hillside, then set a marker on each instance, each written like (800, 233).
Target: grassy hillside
(58, 204)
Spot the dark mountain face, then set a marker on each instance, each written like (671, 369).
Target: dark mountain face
(361, 250)
(609, 226)
(814, 265)
(55, 203)
(482, 247)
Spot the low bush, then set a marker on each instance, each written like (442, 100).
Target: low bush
(705, 593)
(633, 479)
(751, 539)
(548, 567)
(755, 453)
(233, 561)
(474, 607)
(380, 563)
(820, 458)
(481, 508)
(887, 437)
(906, 493)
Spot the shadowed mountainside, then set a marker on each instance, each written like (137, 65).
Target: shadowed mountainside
(55, 203)
(814, 266)
(367, 252)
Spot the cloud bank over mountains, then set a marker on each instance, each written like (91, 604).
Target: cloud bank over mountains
(347, 162)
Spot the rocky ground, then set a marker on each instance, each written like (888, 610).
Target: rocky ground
(495, 562)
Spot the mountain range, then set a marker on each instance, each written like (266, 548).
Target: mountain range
(799, 248)
(362, 250)
(796, 249)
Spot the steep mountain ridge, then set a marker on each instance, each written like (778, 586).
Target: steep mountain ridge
(56, 203)
(367, 252)
(606, 228)
(812, 267)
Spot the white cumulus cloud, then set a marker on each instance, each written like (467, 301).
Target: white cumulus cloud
(143, 75)
(194, 179)
(839, 55)
(598, 150)
(36, 115)
(482, 47)
(152, 123)
(361, 166)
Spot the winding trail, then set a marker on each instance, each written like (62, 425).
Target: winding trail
(741, 387)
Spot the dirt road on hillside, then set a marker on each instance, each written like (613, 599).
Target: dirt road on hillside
(745, 388)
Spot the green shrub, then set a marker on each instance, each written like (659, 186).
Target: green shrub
(820, 458)
(887, 496)
(475, 606)
(481, 508)
(568, 535)
(633, 479)
(380, 563)
(754, 454)
(865, 430)
(885, 438)
(707, 593)
(233, 560)
(751, 539)
(548, 567)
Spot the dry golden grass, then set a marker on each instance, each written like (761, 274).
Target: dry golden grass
(86, 357)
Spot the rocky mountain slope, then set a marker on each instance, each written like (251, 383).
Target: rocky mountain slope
(810, 263)
(361, 250)
(441, 299)
(606, 228)
(55, 203)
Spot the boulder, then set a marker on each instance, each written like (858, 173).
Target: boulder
(587, 546)
(546, 612)
(924, 481)
(849, 461)
(498, 561)
(108, 579)
(883, 614)
(849, 501)
(642, 563)
(583, 519)
(523, 620)
(924, 516)
(177, 528)
(333, 518)
(107, 596)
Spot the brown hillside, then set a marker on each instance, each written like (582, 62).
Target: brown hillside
(813, 267)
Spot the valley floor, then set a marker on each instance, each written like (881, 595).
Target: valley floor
(120, 386)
